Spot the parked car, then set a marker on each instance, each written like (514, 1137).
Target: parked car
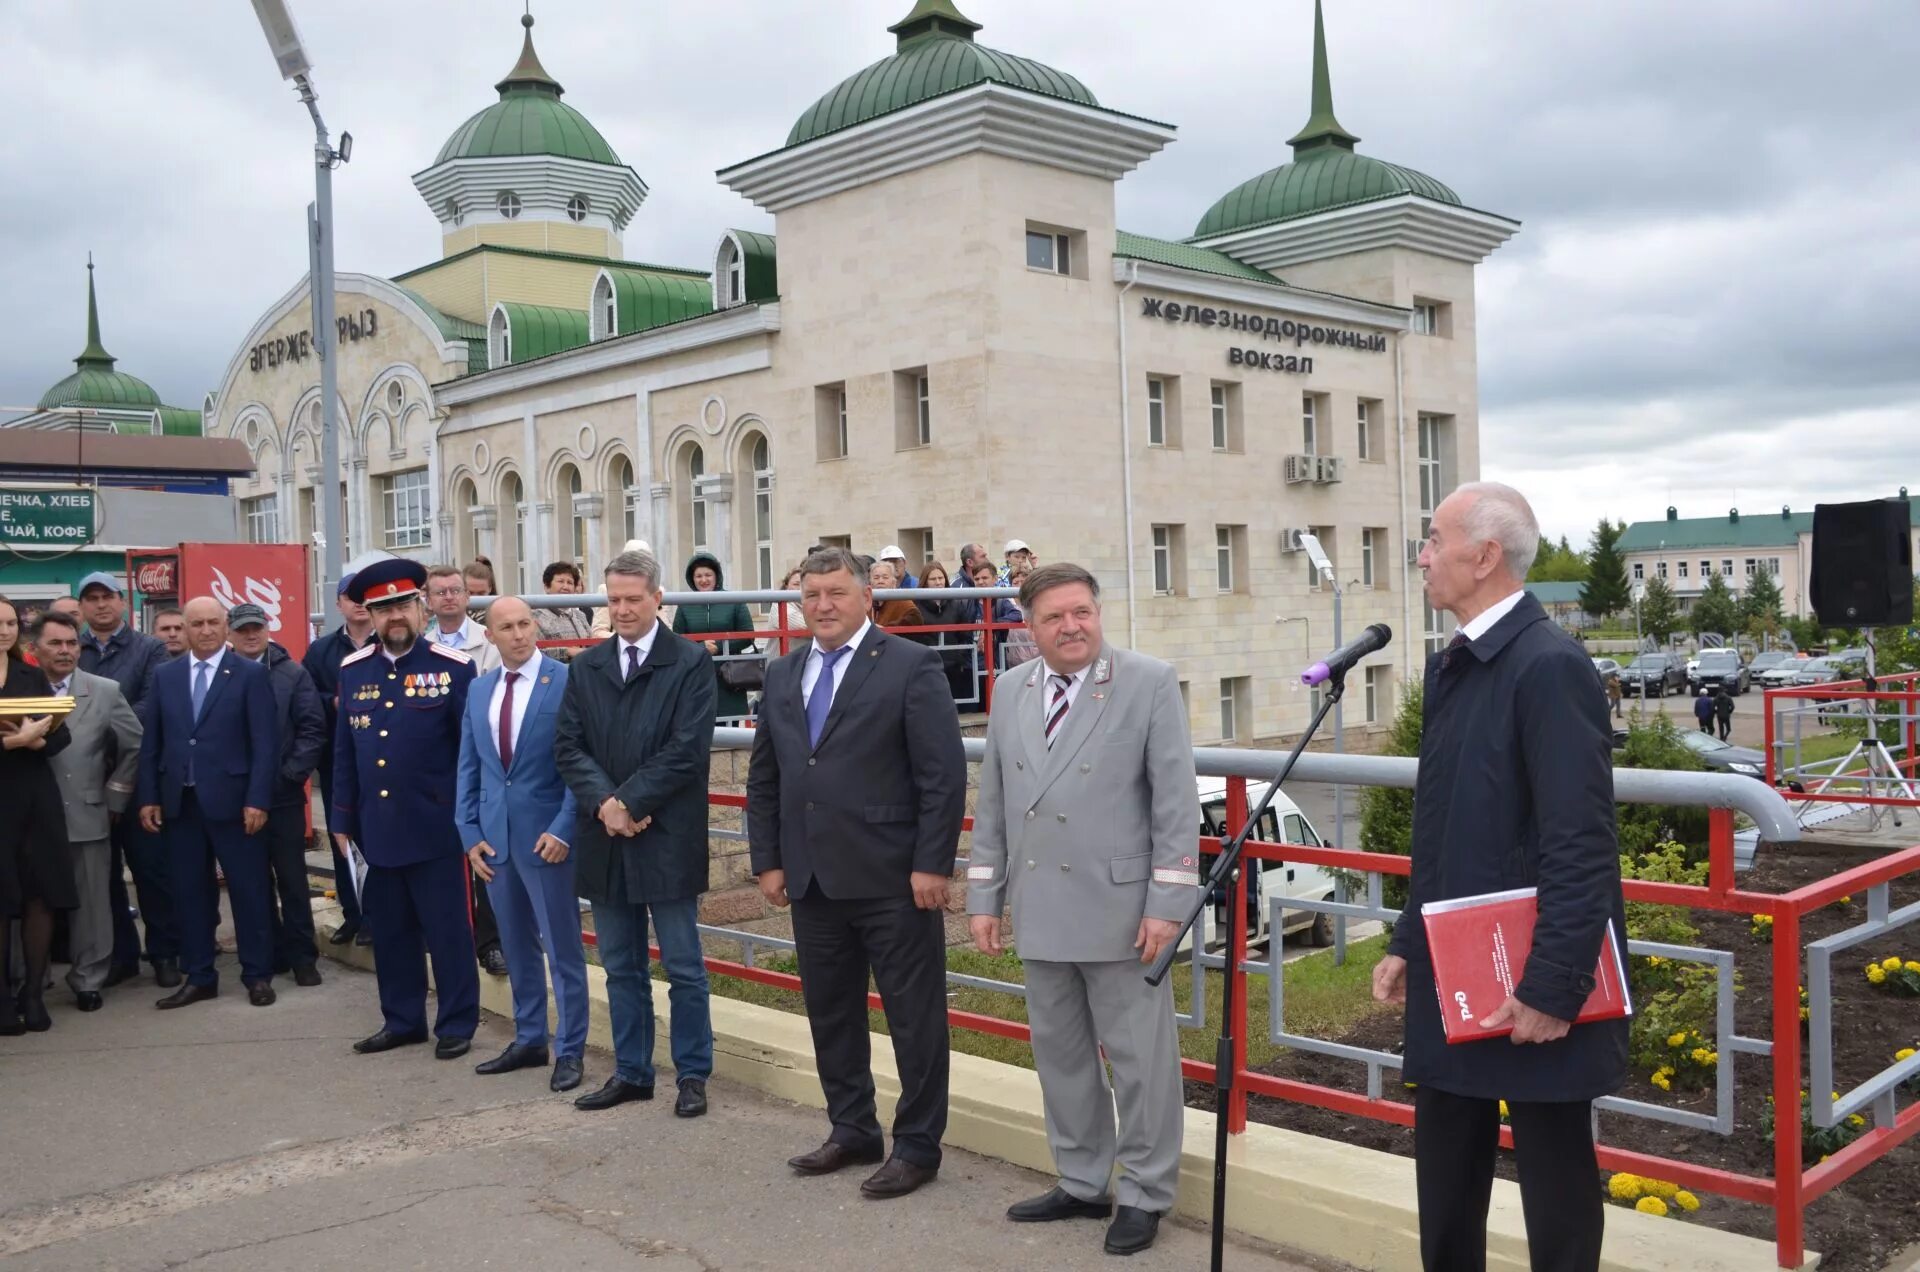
(1722, 757)
(1716, 667)
(1661, 674)
(1766, 662)
(1607, 667)
(1282, 823)
(1783, 674)
(1817, 671)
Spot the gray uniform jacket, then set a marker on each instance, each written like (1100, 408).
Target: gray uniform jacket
(96, 770)
(1088, 837)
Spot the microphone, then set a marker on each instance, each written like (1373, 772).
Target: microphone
(1341, 660)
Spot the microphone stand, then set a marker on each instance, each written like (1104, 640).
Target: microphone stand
(1225, 874)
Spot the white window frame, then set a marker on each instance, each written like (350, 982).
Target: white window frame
(1059, 252)
(1223, 571)
(761, 457)
(1229, 723)
(1726, 567)
(1639, 571)
(1374, 681)
(263, 518)
(697, 498)
(1367, 536)
(606, 310)
(846, 446)
(508, 205)
(1163, 560)
(1156, 411)
(923, 409)
(1660, 569)
(1365, 450)
(579, 208)
(1222, 433)
(1309, 424)
(1680, 569)
(1426, 318)
(406, 502)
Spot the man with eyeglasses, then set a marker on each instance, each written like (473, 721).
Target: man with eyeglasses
(452, 628)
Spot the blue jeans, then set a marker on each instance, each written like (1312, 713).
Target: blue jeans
(622, 932)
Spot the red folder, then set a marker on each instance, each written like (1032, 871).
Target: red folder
(1479, 947)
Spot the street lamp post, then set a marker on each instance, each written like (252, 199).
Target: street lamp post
(283, 38)
(1640, 590)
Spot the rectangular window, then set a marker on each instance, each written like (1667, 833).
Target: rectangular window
(1236, 712)
(1435, 624)
(1378, 706)
(1681, 568)
(1230, 558)
(1773, 566)
(1751, 566)
(1156, 411)
(1435, 454)
(1373, 565)
(830, 422)
(1706, 571)
(1325, 535)
(1229, 429)
(404, 499)
(1432, 317)
(1726, 568)
(917, 543)
(1050, 250)
(1639, 571)
(1370, 430)
(837, 541)
(912, 410)
(1310, 423)
(1219, 417)
(1169, 560)
(263, 519)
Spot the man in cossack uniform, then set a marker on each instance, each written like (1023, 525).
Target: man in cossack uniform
(396, 754)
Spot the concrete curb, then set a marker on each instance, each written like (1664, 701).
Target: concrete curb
(1317, 1196)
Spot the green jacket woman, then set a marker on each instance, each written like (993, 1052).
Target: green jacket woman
(694, 621)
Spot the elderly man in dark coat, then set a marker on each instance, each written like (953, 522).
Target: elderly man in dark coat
(1515, 790)
(632, 739)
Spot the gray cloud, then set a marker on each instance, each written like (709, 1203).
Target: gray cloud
(1717, 267)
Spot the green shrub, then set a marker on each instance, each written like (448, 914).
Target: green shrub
(1386, 814)
(1657, 745)
(1674, 1001)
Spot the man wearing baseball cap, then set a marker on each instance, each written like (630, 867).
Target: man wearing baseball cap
(893, 553)
(396, 758)
(1017, 553)
(301, 730)
(322, 662)
(110, 647)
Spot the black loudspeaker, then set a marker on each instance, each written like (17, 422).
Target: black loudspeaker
(1863, 563)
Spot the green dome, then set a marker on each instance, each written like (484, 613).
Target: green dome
(1319, 179)
(94, 382)
(936, 55)
(529, 119)
(1325, 172)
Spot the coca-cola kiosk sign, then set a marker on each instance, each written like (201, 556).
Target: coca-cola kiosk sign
(270, 575)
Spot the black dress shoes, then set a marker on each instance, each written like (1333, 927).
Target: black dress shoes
(387, 1040)
(693, 1099)
(1132, 1230)
(514, 1057)
(89, 1000)
(260, 994)
(1058, 1204)
(494, 962)
(616, 1091)
(306, 975)
(33, 1013)
(832, 1156)
(120, 976)
(363, 938)
(187, 995)
(166, 973)
(896, 1179)
(452, 1048)
(566, 1073)
(344, 933)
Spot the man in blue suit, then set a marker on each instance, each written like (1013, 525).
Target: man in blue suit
(209, 754)
(516, 818)
(396, 749)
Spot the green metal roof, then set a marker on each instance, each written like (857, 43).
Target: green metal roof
(1325, 172)
(763, 274)
(537, 330)
(575, 257)
(653, 300)
(1204, 260)
(1555, 593)
(178, 421)
(529, 119)
(936, 54)
(1748, 530)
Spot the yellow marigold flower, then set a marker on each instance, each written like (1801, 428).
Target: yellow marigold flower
(1847, 900)
(1675, 1040)
(1623, 1187)
(1701, 1055)
(1660, 1080)
(1912, 965)
(1876, 976)
(1686, 1201)
(1659, 1188)
(1856, 1119)
(1650, 1206)
(1891, 962)
(1905, 1053)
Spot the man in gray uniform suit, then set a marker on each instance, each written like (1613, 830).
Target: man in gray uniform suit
(1088, 818)
(95, 773)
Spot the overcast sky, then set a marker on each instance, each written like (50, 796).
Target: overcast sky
(1712, 299)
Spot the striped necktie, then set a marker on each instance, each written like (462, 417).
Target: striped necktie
(1057, 706)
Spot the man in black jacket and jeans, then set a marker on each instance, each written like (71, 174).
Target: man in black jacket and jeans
(632, 741)
(1515, 790)
(301, 726)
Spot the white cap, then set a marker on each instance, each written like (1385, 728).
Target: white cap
(892, 552)
(1016, 545)
(637, 545)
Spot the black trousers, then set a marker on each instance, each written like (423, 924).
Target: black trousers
(1454, 1141)
(903, 947)
(352, 914)
(486, 928)
(286, 836)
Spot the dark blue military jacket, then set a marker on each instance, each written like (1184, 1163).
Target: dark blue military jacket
(397, 751)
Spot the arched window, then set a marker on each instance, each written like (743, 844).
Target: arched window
(760, 461)
(576, 524)
(696, 469)
(578, 207)
(605, 314)
(513, 512)
(621, 494)
(499, 340)
(465, 538)
(509, 205)
(689, 503)
(733, 274)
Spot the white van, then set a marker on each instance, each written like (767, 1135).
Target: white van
(1283, 823)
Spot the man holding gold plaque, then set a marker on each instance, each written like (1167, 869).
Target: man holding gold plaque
(36, 877)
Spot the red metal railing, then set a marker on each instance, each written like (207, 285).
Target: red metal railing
(1835, 698)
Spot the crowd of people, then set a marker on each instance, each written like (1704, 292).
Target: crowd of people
(451, 748)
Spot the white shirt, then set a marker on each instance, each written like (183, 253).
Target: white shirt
(60, 687)
(811, 673)
(522, 691)
(1074, 681)
(644, 645)
(212, 663)
(1484, 621)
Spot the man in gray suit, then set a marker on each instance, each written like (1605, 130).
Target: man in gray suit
(1087, 817)
(95, 773)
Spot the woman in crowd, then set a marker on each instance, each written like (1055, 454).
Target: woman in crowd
(1004, 611)
(938, 610)
(788, 616)
(697, 620)
(897, 613)
(36, 873)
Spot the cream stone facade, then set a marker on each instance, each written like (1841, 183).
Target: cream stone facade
(959, 345)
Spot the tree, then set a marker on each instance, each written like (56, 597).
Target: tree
(1605, 592)
(1557, 563)
(1760, 607)
(1386, 814)
(1716, 610)
(1659, 612)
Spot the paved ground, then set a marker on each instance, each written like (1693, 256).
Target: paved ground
(224, 1136)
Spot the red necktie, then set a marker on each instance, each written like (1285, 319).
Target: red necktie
(506, 723)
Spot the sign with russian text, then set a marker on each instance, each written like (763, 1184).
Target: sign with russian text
(46, 517)
(1267, 327)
